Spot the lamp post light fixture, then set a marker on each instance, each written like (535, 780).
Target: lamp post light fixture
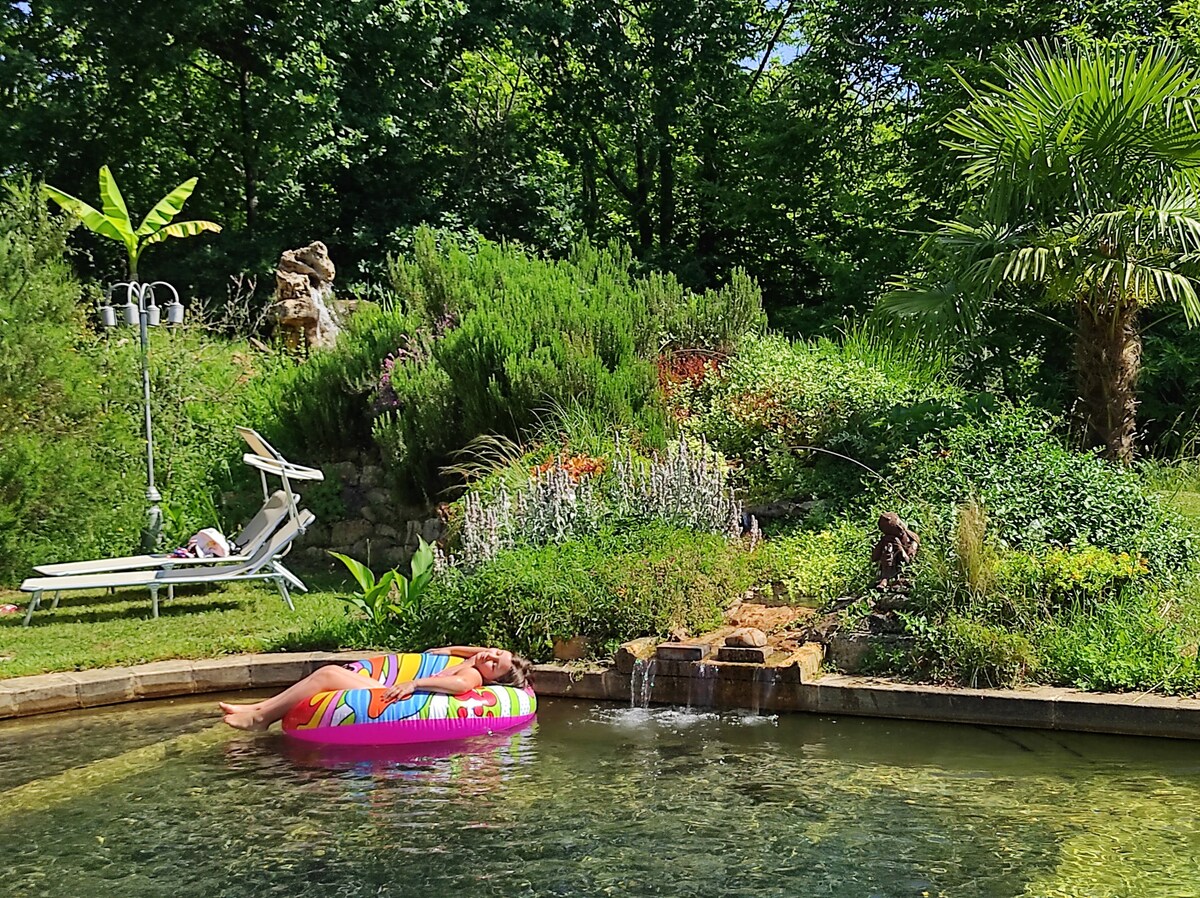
(141, 310)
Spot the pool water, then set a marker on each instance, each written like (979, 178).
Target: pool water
(159, 799)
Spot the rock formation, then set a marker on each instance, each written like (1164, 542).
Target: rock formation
(303, 293)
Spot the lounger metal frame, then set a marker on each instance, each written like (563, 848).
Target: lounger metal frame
(264, 565)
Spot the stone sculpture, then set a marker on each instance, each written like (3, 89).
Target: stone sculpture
(303, 292)
(896, 549)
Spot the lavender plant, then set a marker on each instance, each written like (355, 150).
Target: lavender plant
(486, 528)
(687, 488)
(556, 507)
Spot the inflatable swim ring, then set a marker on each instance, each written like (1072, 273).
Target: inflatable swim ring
(362, 717)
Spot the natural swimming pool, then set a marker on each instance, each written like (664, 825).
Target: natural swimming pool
(154, 800)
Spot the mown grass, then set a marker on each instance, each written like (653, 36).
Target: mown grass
(96, 629)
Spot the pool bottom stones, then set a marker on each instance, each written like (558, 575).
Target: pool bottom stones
(785, 683)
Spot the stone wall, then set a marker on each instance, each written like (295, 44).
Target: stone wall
(358, 516)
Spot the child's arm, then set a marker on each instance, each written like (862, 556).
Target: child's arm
(458, 651)
(463, 679)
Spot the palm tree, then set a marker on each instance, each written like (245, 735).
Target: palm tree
(1086, 169)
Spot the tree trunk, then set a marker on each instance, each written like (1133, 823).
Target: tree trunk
(249, 168)
(590, 203)
(666, 180)
(1108, 358)
(642, 213)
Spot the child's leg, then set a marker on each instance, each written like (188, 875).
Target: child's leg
(265, 713)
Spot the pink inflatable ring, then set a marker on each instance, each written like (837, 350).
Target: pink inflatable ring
(363, 717)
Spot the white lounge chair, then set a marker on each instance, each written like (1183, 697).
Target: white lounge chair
(266, 521)
(266, 459)
(263, 565)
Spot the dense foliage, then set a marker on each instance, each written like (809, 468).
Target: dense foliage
(492, 341)
(799, 140)
(606, 588)
(520, 346)
(72, 460)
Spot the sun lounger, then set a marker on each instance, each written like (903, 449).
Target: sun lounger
(274, 511)
(266, 459)
(263, 565)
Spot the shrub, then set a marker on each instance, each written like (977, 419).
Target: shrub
(1036, 491)
(774, 397)
(1127, 642)
(978, 653)
(569, 496)
(518, 337)
(609, 587)
(813, 566)
(487, 340)
(326, 402)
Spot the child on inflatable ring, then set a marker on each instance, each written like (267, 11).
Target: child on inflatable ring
(479, 667)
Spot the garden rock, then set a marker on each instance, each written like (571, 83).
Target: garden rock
(747, 637)
(347, 533)
(303, 290)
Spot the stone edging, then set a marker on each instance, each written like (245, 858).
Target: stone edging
(1039, 708)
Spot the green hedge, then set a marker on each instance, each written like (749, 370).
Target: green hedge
(609, 588)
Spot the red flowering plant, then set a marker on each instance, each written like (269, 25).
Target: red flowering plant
(682, 373)
(574, 466)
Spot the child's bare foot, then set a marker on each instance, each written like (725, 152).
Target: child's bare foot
(230, 708)
(246, 720)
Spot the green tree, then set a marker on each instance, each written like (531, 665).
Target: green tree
(1086, 169)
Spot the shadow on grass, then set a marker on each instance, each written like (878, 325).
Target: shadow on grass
(45, 617)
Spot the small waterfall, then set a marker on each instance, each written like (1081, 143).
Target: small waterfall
(648, 682)
(641, 683)
(763, 692)
(700, 686)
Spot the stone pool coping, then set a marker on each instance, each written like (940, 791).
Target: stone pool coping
(733, 686)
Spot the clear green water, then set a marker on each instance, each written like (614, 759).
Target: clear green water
(154, 800)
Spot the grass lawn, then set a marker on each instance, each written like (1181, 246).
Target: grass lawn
(96, 629)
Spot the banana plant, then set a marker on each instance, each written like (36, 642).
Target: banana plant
(114, 222)
(393, 593)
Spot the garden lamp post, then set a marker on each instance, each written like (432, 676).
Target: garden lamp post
(141, 310)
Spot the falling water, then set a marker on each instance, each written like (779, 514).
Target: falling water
(641, 683)
(763, 693)
(700, 686)
(648, 682)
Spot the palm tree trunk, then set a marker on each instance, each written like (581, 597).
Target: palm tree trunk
(1108, 358)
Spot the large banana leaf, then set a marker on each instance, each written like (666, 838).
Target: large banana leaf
(181, 229)
(115, 209)
(92, 219)
(166, 208)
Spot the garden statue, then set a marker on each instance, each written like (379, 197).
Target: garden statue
(896, 548)
(303, 290)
